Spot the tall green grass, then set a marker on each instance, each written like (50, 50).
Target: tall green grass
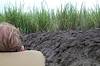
(66, 18)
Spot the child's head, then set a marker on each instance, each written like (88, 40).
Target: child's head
(10, 38)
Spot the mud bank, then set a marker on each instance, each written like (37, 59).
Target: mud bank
(67, 48)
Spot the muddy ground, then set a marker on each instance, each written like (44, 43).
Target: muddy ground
(67, 48)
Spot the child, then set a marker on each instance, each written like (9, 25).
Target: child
(10, 38)
(10, 42)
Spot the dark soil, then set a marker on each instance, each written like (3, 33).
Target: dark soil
(67, 48)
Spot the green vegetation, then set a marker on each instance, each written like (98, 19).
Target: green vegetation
(45, 20)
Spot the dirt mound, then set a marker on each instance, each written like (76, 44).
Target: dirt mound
(71, 48)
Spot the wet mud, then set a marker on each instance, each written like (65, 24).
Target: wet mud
(66, 48)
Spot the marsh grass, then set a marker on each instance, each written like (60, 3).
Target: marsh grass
(67, 18)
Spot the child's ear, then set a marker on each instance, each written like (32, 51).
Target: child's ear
(22, 48)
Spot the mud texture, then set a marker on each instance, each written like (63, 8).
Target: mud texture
(67, 48)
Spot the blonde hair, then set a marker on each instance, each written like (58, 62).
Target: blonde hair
(9, 37)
